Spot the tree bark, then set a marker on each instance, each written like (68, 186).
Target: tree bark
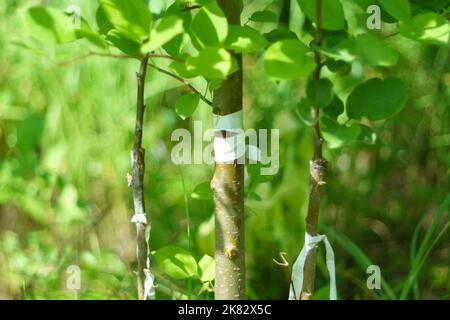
(318, 170)
(137, 183)
(228, 187)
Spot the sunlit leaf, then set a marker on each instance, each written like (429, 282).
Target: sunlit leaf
(429, 28)
(131, 18)
(206, 267)
(209, 27)
(176, 262)
(212, 63)
(244, 39)
(168, 28)
(288, 59)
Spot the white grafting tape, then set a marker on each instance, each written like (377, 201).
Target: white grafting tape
(232, 147)
(229, 122)
(297, 270)
(149, 288)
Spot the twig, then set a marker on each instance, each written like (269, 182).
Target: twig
(117, 56)
(390, 35)
(137, 183)
(318, 169)
(190, 8)
(182, 80)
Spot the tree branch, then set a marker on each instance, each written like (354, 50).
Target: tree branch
(117, 56)
(137, 183)
(228, 187)
(318, 169)
(190, 8)
(182, 80)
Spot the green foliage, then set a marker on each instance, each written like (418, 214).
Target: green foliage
(332, 13)
(209, 28)
(377, 99)
(132, 18)
(212, 63)
(167, 29)
(186, 105)
(264, 16)
(244, 39)
(288, 59)
(54, 26)
(375, 51)
(429, 28)
(320, 93)
(206, 267)
(60, 174)
(176, 262)
(399, 9)
(202, 191)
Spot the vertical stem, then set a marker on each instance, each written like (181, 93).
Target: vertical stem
(318, 169)
(137, 184)
(228, 187)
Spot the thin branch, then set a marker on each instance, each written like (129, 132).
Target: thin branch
(318, 169)
(137, 183)
(182, 80)
(390, 35)
(190, 8)
(118, 56)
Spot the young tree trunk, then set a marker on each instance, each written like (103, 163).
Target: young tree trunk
(318, 170)
(228, 187)
(137, 184)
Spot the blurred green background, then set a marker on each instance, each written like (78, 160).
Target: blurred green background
(65, 136)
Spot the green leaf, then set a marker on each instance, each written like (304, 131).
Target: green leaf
(264, 16)
(367, 135)
(104, 26)
(289, 59)
(176, 262)
(338, 66)
(209, 27)
(53, 26)
(255, 173)
(377, 99)
(279, 34)
(207, 268)
(320, 92)
(254, 196)
(399, 9)
(49, 25)
(202, 191)
(332, 13)
(375, 51)
(182, 70)
(344, 50)
(356, 16)
(212, 63)
(186, 105)
(303, 111)
(132, 18)
(359, 256)
(337, 135)
(429, 28)
(244, 39)
(335, 109)
(167, 29)
(121, 42)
